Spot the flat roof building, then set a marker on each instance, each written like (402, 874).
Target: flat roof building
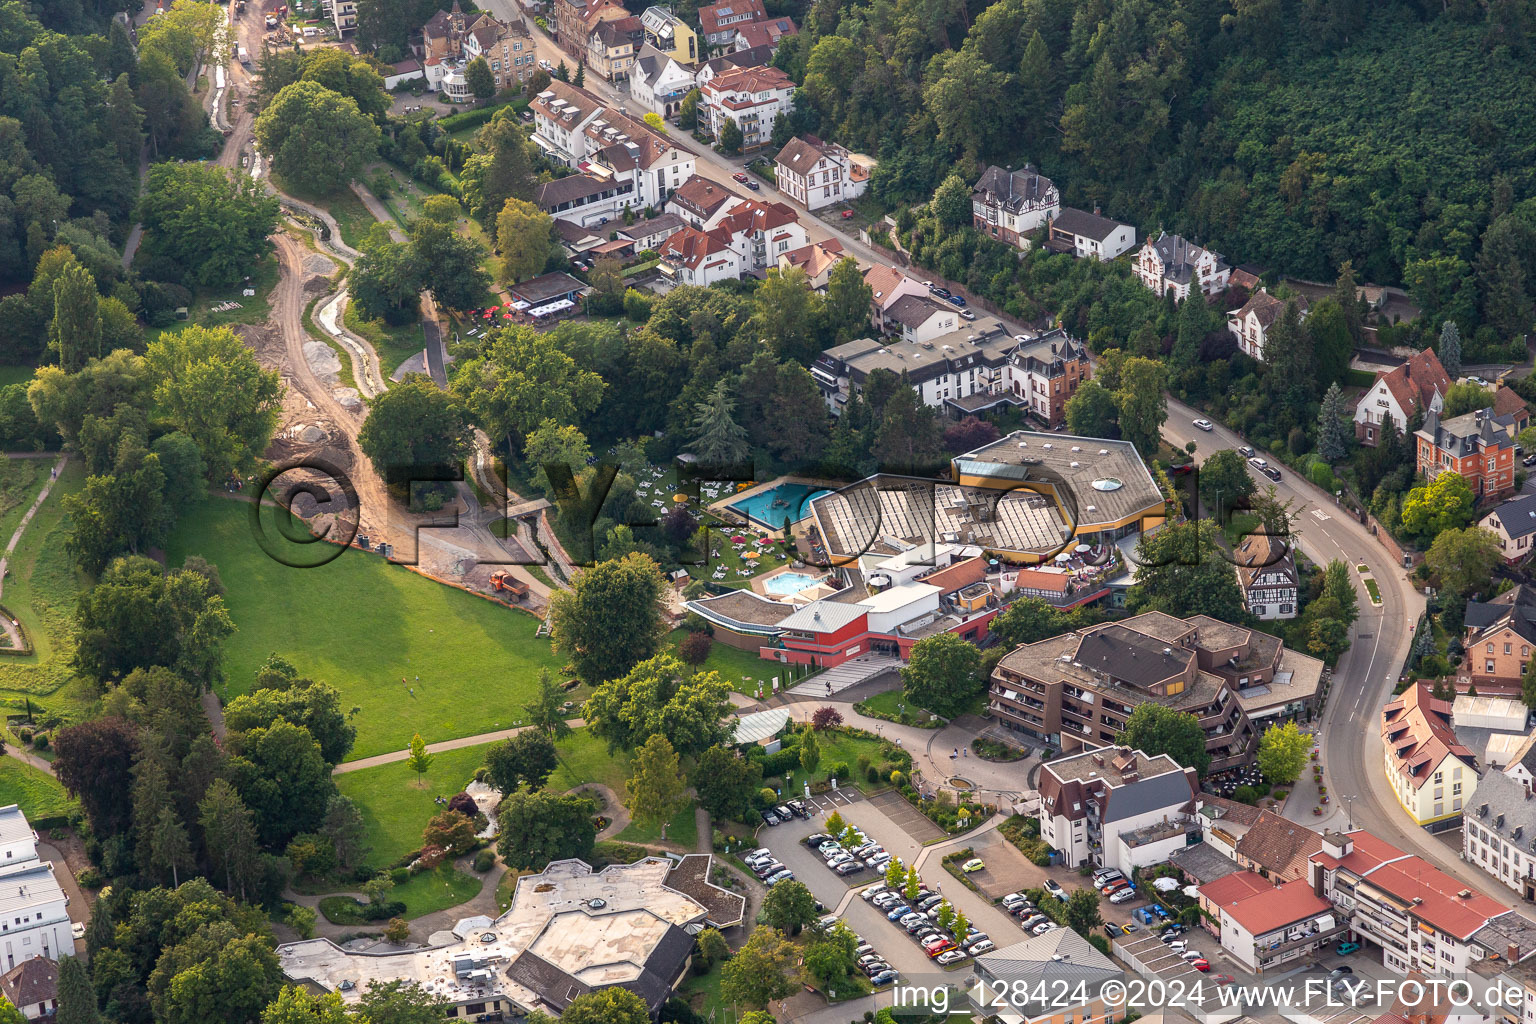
(570, 930)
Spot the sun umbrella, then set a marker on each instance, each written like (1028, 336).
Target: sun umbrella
(1063, 557)
(738, 539)
(1165, 884)
(751, 554)
(679, 498)
(506, 316)
(1082, 548)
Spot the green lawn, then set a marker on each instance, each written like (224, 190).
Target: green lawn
(683, 828)
(394, 344)
(40, 591)
(885, 705)
(423, 893)
(20, 480)
(362, 624)
(743, 670)
(37, 794)
(395, 807)
(838, 747)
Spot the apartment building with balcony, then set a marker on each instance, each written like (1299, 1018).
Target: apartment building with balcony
(1096, 805)
(1431, 773)
(1267, 927)
(750, 97)
(344, 14)
(1420, 918)
(1076, 690)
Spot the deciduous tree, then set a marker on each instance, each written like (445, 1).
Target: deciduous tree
(210, 387)
(1463, 560)
(610, 619)
(523, 234)
(318, 139)
(1155, 729)
(764, 969)
(413, 425)
(537, 828)
(526, 759)
(944, 673)
(1283, 753)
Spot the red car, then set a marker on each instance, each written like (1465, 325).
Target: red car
(1113, 887)
(740, 177)
(1203, 966)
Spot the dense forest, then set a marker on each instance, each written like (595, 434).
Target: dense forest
(1398, 135)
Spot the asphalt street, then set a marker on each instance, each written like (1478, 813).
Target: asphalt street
(1349, 732)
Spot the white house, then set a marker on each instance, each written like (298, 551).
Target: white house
(1514, 523)
(1499, 832)
(560, 114)
(32, 986)
(1250, 324)
(1115, 807)
(1085, 234)
(1422, 919)
(34, 916)
(921, 319)
(658, 83)
(887, 286)
(691, 256)
(402, 72)
(1174, 265)
(1266, 927)
(1009, 205)
(760, 231)
(750, 97)
(1431, 772)
(1266, 570)
(1416, 387)
(625, 162)
(816, 173)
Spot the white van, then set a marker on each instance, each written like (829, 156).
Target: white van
(245, 56)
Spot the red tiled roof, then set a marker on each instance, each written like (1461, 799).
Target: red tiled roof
(1507, 403)
(1237, 886)
(883, 282)
(958, 576)
(709, 17)
(1417, 381)
(762, 79)
(765, 33)
(702, 195)
(1042, 579)
(1262, 912)
(1416, 729)
(690, 246)
(1435, 896)
(757, 215)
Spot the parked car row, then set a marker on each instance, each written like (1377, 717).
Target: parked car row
(1030, 918)
(786, 812)
(1172, 937)
(871, 963)
(1112, 883)
(766, 867)
(846, 859)
(919, 918)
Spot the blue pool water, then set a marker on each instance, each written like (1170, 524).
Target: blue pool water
(771, 507)
(788, 583)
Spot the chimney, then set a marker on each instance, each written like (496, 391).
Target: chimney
(1512, 953)
(1096, 209)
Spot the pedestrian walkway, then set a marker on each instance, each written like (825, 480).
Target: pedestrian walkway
(439, 747)
(835, 680)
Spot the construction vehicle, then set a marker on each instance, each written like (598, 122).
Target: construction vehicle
(504, 582)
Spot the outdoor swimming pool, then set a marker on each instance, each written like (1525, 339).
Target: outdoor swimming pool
(771, 507)
(785, 583)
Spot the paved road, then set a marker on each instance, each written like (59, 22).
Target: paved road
(1367, 673)
(438, 748)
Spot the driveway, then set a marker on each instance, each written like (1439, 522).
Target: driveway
(1007, 870)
